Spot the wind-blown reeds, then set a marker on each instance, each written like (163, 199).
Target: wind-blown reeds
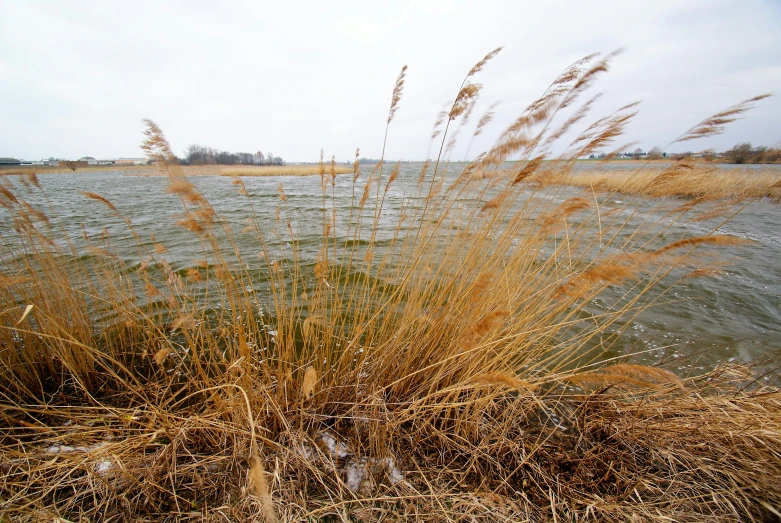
(443, 368)
(701, 180)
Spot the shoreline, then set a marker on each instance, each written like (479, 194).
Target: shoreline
(144, 171)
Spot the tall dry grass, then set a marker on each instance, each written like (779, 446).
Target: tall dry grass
(282, 170)
(683, 179)
(447, 370)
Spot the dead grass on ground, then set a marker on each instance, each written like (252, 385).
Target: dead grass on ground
(447, 371)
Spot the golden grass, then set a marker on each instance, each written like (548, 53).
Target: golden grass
(282, 170)
(702, 180)
(426, 376)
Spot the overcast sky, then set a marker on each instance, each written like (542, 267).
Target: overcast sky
(293, 77)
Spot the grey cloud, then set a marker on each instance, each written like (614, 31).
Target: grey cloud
(297, 77)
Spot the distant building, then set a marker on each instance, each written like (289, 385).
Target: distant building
(131, 161)
(81, 162)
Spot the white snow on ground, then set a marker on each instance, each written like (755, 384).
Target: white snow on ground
(102, 466)
(358, 473)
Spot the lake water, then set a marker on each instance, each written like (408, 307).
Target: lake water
(734, 316)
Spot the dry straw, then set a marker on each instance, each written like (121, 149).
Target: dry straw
(437, 362)
(699, 181)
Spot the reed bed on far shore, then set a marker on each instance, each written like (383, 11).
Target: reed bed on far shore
(445, 368)
(188, 170)
(284, 170)
(686, 179)
(249, 170)
(21, 170)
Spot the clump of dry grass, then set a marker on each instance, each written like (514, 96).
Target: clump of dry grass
(426, 374)
(702, 180)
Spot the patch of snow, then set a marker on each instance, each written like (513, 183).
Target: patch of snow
(357, 477)
(359, 474)
(337, 449)
(57, 449)
(394, 474)
(103, 466)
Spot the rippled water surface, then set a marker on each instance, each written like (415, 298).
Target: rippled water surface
(735, 315)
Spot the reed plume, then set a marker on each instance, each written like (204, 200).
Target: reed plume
(569, 207)
(504, 379)
(449, 348)
(101, 199)
(308, 383)
(715, 124)
(702, 240)
(396, 97)
(484, 120)
(260, 486)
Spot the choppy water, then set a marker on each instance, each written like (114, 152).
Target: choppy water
(734, 316)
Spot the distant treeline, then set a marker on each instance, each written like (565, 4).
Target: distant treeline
(739, 154)
(372, 161)
(745, 153)
(200, 155)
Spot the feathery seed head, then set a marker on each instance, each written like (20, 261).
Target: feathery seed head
(479, 65)
(397, 90)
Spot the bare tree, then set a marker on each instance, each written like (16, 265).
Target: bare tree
(740, 153)
(655, 153)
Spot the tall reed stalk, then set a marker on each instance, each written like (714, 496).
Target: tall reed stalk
(444, 357)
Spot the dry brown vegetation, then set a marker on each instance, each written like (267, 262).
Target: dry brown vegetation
(47, 169)
(449, 373)
(682, 179)
(188, 170)
(283, 170)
